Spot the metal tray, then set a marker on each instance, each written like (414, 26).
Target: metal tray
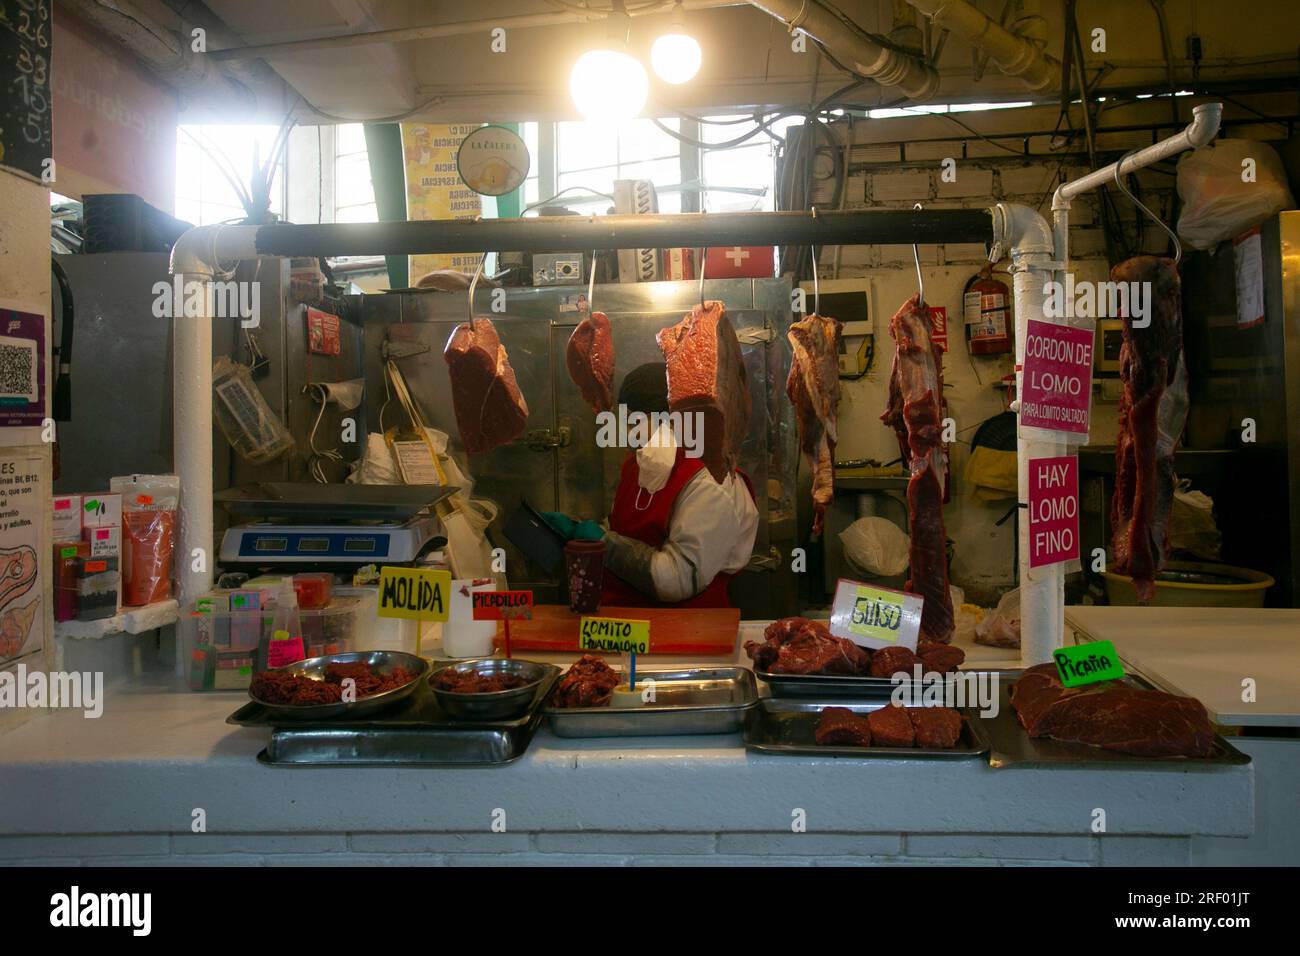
(1012, 747)
(711, 700)
(415, 734)
(787, 726)
(826, 686)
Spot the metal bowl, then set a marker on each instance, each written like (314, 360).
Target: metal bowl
(496, 705)
(385, 662)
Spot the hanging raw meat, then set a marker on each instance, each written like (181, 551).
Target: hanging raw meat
(915, 413)
(706, 375)
(814, 388)
(1152, 413)
(590, 360)
(490, 409)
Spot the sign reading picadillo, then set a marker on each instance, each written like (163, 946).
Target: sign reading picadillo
(414, 594)
(502, 605)
(613, 635)
(1087, 663)
(874, 616)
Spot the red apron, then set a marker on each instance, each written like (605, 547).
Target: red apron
(644, 516)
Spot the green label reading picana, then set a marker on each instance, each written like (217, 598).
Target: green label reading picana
(1087, 663)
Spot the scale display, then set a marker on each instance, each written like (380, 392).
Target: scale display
(314, 545)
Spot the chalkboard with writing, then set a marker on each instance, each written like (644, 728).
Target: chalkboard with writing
(25, 103)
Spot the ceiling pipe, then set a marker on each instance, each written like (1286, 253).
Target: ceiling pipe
(1013, 55)
(863, 56)
(438, 31)
(1200, 131)
(163, 51)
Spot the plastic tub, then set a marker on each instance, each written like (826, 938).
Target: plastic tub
(1195, 584)
(212, 638)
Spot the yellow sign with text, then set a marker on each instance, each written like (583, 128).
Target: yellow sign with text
(875, 617)
(612, 635)
(414, 594)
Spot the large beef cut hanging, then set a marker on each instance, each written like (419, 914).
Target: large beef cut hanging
(590, 360)
(1112, 715)
(915, 413)
(814, 388)
(1152, 413)
(490, 410)
(706, 375)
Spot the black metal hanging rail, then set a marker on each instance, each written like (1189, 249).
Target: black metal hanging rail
(854, 227)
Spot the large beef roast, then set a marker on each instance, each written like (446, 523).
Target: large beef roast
(706, 375)
(915, 413)
(814, 390)
(1152, 413)
(589, 358)
(1112, 715)
(490, 410)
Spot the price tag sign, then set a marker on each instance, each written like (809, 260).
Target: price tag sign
(1053, 510)
(876, 617)
(502, 605)
(414, 594)
(1057, 387)
(612, 635)
(1087, 663)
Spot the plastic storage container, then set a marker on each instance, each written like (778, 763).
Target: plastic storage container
(217, 647)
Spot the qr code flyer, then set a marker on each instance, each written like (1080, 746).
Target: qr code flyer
(22, 368)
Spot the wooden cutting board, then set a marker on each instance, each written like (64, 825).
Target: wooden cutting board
(709, 630)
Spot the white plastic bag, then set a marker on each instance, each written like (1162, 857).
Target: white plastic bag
(876, 545)
(1192, 528)
(1001, 627)
(1217, 205)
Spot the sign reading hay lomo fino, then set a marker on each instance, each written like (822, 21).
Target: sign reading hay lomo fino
(1053, 510)
(1057, 378)
(612, 635)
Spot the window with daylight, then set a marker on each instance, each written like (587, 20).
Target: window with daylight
(354, 192)
(208, 158)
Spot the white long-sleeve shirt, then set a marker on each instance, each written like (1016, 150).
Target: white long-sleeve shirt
(711, 529)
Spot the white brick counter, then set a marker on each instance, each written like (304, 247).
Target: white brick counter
(123, 788)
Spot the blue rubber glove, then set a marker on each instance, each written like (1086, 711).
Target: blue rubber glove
(561, 524)
(588, 531)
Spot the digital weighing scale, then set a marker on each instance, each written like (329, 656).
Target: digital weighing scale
(305, 524)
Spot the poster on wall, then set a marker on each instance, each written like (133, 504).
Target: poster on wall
(22, 618)
(22, 369)
(434, 189)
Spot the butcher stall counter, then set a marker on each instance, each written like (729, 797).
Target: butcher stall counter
(162, 778)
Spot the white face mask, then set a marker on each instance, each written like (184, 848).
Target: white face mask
(655, 460)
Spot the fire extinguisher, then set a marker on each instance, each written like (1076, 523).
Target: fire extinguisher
(986, 313)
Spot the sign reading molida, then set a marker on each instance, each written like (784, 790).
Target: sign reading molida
(875, 617)
(414, 594)
(1087, 663)
(612, 635)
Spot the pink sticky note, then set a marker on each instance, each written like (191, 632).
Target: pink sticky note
(1053, 510)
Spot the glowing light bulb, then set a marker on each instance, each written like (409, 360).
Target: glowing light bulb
(608, 85)
(676, 57)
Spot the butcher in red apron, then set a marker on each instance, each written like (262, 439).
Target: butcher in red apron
(676, 536)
